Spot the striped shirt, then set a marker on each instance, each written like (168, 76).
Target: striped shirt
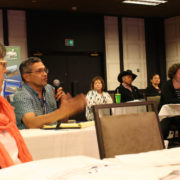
(177, 93)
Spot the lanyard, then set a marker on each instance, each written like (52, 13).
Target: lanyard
(44, 102)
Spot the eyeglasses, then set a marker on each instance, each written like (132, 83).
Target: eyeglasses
(3, 63)
(40, 71)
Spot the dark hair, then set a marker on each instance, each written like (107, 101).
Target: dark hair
(2, 51)
(97, 78)
(172, 70)
(151, 77)
(25, 66)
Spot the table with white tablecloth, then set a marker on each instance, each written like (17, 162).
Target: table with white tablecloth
(153, 165)
(62, 142)
(169, 110)
(129, 110)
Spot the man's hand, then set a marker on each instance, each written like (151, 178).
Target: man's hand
(59, 94)
(70, 106)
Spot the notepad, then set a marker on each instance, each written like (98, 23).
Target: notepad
(71, 125)
(86, 124)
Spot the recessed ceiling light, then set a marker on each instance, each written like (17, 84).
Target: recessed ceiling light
(153, 1)
(145, 2)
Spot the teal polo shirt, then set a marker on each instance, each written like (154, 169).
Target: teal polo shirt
(26, 100)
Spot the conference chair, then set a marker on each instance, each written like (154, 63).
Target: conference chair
(129, 132)
(112, 96)
(156, 100)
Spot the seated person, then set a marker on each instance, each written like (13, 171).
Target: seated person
(170, 94)
(96, 96)
(13, 149)
(126, 89)
(35, 104)
(154, 89)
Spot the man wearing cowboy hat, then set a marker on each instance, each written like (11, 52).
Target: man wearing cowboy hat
(127, 91)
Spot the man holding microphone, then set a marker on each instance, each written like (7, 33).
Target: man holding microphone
(35, 104)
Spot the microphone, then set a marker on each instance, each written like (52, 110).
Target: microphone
(56, 84)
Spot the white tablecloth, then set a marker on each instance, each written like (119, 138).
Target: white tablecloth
(59, 143)
(155, 165)
(169, 110)
(129, 110)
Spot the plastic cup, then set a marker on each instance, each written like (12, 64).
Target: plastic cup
(118, 98)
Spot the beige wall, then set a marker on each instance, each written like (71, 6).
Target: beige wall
(134, 49)
(1, 28)
(172, 40)
(133, 44)
(112, 51)
(17, 31)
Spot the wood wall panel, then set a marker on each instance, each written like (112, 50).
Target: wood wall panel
(172, 39)
(1, 28)
(112, 51)
(17, 30)
(134, 49)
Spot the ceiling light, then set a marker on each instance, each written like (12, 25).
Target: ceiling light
(145, 2)
(154, 1)
(140, 3)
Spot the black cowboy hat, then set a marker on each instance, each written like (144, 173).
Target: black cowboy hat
(124, 73)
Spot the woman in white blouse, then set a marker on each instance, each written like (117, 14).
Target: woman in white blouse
(96, 96)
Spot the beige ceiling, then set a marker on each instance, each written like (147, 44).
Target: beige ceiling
(108, 7)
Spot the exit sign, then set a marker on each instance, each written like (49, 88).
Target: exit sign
(69, 42)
